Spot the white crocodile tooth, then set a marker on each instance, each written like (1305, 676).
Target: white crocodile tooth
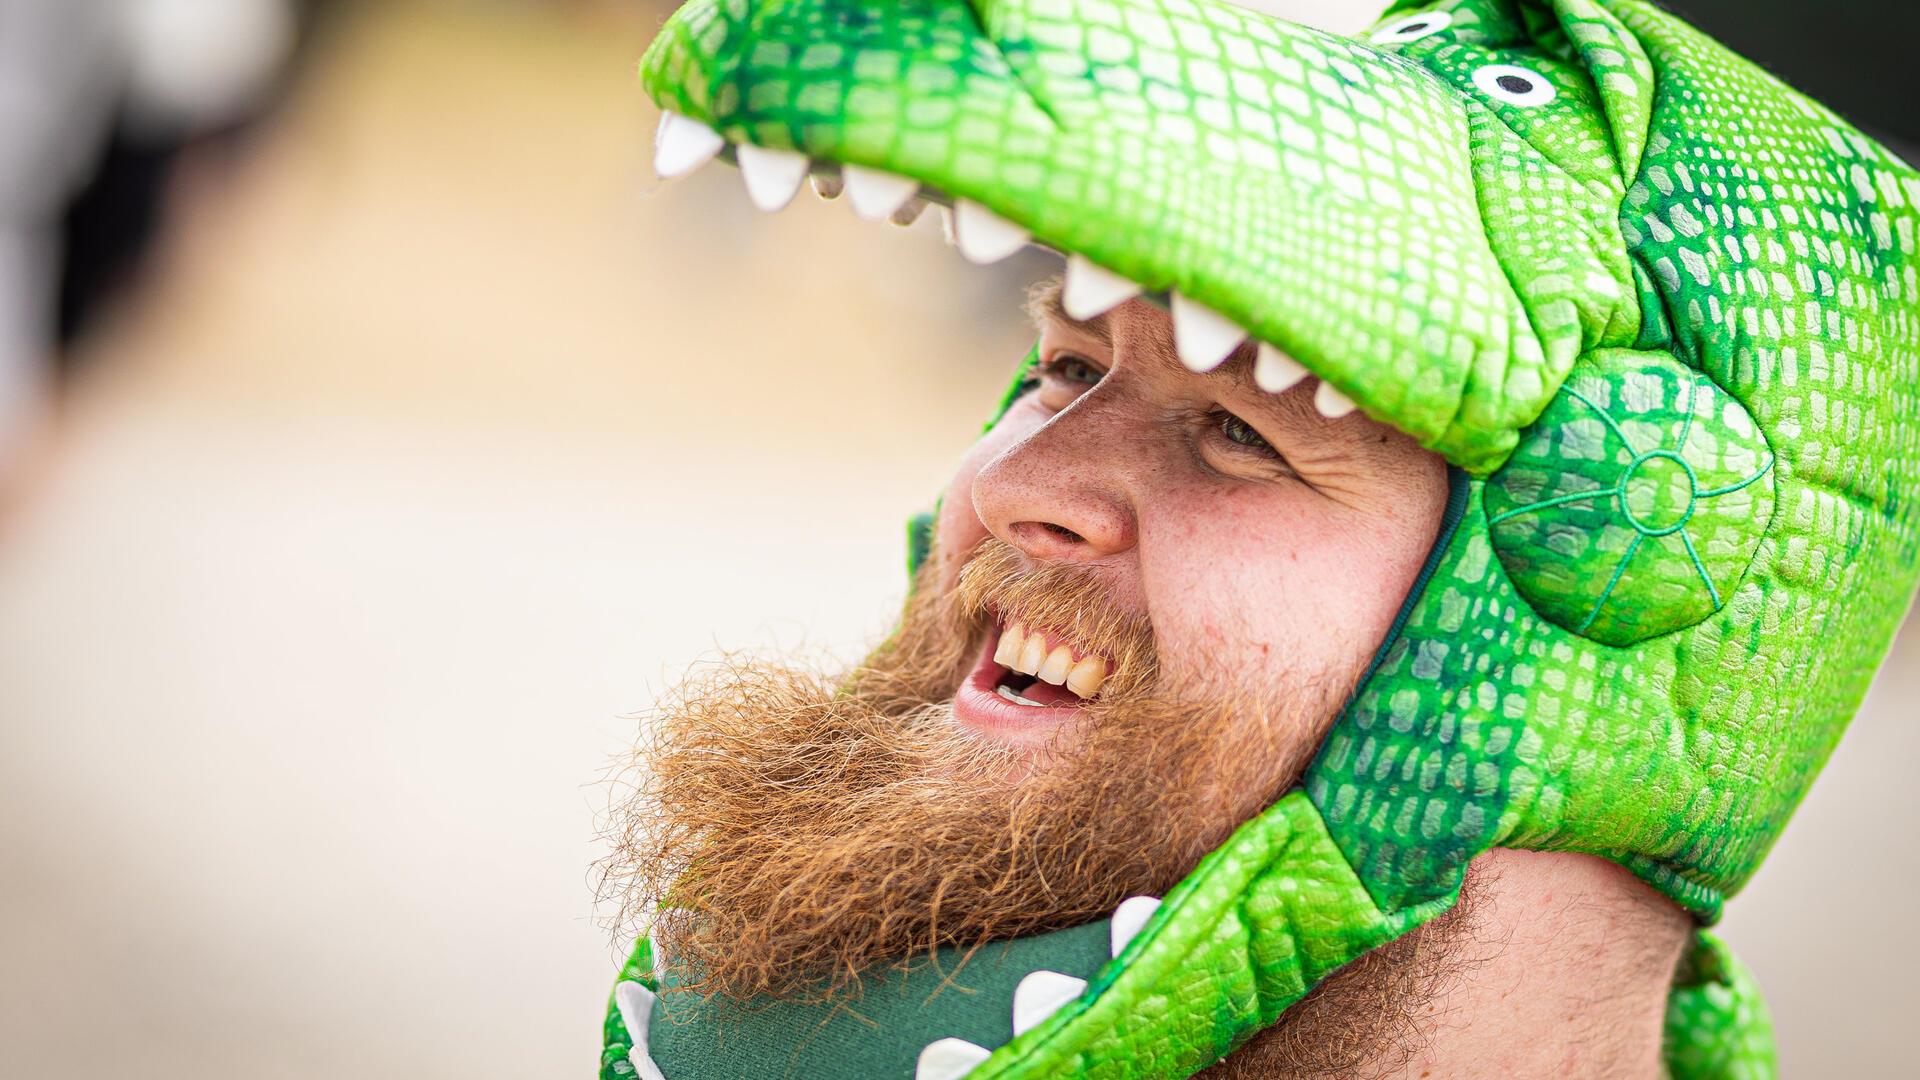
(1332, 403)
(909, 211)
(984, 236)
(683, 144)
(827, 187)
(949, 1059)
(635, 1003)
(1040, 995)
(772, 176)
(1091, 290)
(1202, 336)
(1275, 371)
(875, 194)
(1129, 918)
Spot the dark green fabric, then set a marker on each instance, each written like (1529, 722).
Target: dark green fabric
(919, 540)
(877, 1036)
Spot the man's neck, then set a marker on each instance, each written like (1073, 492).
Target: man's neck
(1561, 967)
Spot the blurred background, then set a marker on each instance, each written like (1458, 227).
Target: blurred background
(377, 436)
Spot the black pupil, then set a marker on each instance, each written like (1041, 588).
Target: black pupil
(1514, 84)
(1416, 27)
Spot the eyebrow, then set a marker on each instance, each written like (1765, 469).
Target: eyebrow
(1045, 307)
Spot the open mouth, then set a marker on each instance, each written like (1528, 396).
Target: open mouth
(1026, 678)
(1307, 197)
(1203, 338)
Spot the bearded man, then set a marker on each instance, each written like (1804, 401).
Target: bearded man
(1233, 731)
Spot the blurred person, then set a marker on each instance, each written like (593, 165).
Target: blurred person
(97, 98)
(1462, 486)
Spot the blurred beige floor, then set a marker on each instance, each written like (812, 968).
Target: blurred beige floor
(446, 438)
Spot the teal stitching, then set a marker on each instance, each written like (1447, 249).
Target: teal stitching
(1693, 489)
(1555, 501)
(1686, 429)
(1731, 488)
(1604, 415)
(1607, 593)
(1690, 410)
(1700, 568)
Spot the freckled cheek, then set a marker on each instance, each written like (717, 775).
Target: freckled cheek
(1254, 587)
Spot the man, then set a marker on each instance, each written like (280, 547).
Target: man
(1229, 728)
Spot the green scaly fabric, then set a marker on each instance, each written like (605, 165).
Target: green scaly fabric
(1663, 311)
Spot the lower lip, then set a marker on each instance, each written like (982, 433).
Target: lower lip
(979, 707)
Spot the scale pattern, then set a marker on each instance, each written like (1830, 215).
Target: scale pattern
(1274, 173)
(1572, 245)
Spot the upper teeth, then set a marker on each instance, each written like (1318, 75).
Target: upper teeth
(984, 236)
(1028, 654)
(1091, 290)
(1331, 402)
(772, 176)
(910, 212)
(876, 195)
(1203, 337)
(1275, 371)
(682, 145)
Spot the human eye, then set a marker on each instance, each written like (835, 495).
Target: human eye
(1236, 448)
(1242, 434)
(1063, 377)
(1069, 367)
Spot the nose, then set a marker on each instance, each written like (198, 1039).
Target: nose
(1059, 495)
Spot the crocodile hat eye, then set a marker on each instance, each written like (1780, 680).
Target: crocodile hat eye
(1514, 85)
(1412, 28)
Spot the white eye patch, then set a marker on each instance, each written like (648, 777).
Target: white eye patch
(1514, 85)
(1412, 28)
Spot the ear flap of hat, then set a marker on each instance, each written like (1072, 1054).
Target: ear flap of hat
(1666, 701)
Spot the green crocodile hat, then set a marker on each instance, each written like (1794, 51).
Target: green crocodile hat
(1662, 314)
